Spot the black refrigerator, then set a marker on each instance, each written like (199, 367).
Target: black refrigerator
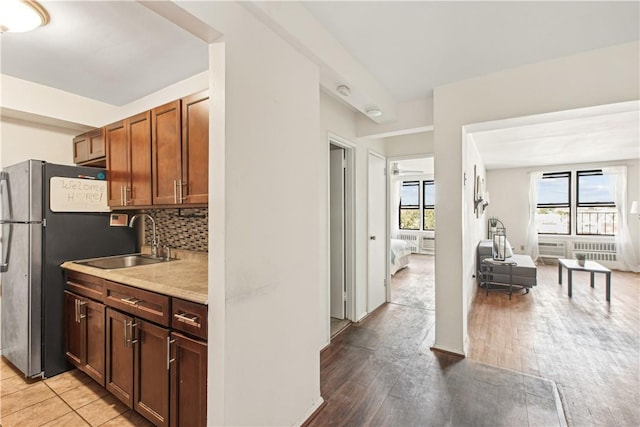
(49, 214)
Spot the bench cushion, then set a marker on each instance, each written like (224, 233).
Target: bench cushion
(524, 273)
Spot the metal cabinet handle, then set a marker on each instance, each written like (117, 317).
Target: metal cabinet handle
(76, 306)
(131, 300)
(80, 314)
(175, 191)
(185, 318)
(126, 341)
(127, 191)
(131, 333)
(169, 359)
(180, 186)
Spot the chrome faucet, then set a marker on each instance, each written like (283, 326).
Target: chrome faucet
(154, 242)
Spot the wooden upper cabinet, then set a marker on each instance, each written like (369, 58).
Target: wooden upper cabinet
(117, 162)
(180, 151)
(129, 161)
(139, 128)
(195, 147)
(166, 153)
(89, 148)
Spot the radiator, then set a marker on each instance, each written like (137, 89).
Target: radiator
(596, 251)
(412, 241)
(552, 249)
(428, 245)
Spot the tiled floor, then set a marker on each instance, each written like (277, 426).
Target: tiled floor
(71, 399)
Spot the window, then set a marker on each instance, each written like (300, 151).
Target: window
(410, 205)
(554, 203)
(595, 209)
(428, 205)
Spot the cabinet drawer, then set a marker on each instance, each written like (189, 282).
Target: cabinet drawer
(189, 317)
(85, 285)
(138, 302)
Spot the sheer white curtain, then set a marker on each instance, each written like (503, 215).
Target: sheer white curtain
(531, 242)
(625, 253)
(395, 204)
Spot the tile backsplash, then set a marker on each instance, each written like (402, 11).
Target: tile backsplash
(180, 228)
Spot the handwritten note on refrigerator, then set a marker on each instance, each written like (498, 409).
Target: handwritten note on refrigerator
(77, 195)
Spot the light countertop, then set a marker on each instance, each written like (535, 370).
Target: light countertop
(184, 278)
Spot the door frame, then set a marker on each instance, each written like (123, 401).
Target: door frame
(387, 237)
(349, 226)
(391, 160)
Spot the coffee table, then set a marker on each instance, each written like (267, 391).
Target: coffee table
(591, 266)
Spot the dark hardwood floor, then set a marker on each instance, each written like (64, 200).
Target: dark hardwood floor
(381, 372)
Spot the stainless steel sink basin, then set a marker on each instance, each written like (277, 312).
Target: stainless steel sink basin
(122, 261)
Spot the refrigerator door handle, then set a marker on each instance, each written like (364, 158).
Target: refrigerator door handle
(7, 217)
(5, 202)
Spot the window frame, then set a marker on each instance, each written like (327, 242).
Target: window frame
(409, 207)
(590, 172)
(425, 206)
(565, 174)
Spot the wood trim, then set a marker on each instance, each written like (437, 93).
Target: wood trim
(315, 413)
(447, 352)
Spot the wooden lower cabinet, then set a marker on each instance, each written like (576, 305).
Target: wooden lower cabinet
(188, 381)
(151, 372)
(119, 375)
(85, 335)
(137, 365)
(149, 350)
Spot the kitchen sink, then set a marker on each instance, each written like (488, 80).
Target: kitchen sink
(122, 261)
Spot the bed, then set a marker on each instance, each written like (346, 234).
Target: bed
(400, 253)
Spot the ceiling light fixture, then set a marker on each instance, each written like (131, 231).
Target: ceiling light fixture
(343, 90)
(21, 15)
(374, 112)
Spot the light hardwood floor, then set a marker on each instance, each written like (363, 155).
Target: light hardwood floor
(589, 347)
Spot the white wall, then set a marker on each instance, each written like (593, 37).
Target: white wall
(336, 120)
(474, 225)
(20, 140)
(509, 190)
(597, 77)
(267, 341)
(409, 145)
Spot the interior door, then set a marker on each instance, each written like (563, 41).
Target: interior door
(337, 231)
(377, 219)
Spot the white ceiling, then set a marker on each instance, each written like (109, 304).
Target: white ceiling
(119, 51)
(413, 46)
(606, 136)
(112, 51)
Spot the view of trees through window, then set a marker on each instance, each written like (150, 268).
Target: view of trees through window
(413, 214)
(595, 211)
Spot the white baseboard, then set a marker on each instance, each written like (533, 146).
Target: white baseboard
(310, 411)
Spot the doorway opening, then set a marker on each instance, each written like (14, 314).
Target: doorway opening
(341, 235)
(412, 224)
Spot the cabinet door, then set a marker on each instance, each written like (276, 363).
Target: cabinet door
(166, 152)
(73, 333)
(95, 140)
(117, 162)
(151, 391)
(188, 381)
(80, 148)
(119, 372)
(139, 133)
(92, 315)
(195, 148)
